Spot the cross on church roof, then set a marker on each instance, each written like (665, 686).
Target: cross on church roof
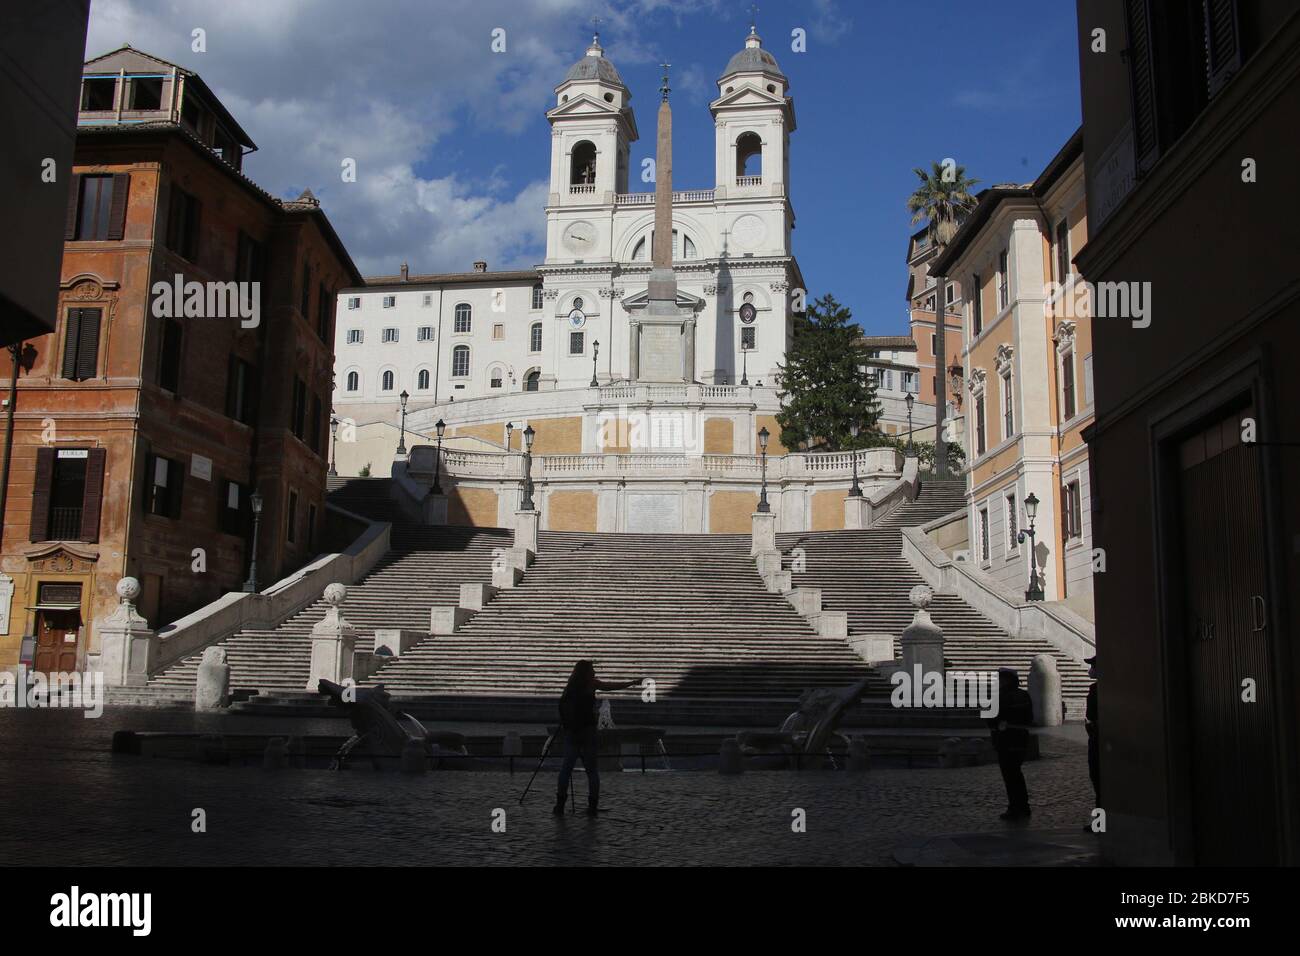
(595, 29)
(753, 18)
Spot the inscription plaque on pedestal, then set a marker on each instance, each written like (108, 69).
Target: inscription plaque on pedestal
(661, 353)
(654, 513)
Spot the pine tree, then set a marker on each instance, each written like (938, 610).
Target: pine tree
(825, 389)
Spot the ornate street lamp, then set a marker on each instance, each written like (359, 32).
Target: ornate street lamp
(401, 445)
(437, 458)
(763, 436)
(744, 364)
(595, 352)
(527, 504)
(1035, 592)
(334, 442)
(856, 490)
(255, 502)
(911, 449)
(510, 429)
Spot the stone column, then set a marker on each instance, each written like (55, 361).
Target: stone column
(333, 641)
(127, 645)
(1045, 691)
(212, 686)
(634, 360)
(922, 640)
(688, 350)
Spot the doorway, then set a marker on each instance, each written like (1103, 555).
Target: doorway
(57, 640)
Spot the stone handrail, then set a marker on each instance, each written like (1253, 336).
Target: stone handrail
(905, 489)
(872, 462)
(647, 199)
(1055, 623)
(642, 393)
(239, 609)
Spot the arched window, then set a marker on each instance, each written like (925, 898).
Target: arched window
(532, 380)
(496, 377)
(422, 380)
(749, 155)
(537, 296)
(464, 316)
(688, 248)
(388, 381)
(460, 360)
(535, 337)
(583, 170)
(354, 381)
(639, 252)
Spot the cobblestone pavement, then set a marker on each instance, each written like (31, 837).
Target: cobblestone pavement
(68, 801)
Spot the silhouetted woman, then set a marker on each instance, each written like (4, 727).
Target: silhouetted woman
(578, 725)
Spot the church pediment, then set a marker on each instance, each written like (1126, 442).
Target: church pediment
(640, 300)
(747, 96)
(584, 104)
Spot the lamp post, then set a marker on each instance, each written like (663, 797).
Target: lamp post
(440, 427)
(744, 364)
(334, 441)
(911, 449)
(856, 490)
(510, 429)
(255, 502)
(401, 445)
(595, 353)
(1035, 592)
(763, 435)
(527, 504)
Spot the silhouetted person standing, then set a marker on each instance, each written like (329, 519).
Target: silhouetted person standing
(578, 725)
(1094, 730)
(1010, 733)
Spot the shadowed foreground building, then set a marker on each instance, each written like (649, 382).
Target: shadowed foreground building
(1188, 138)
(140, 435)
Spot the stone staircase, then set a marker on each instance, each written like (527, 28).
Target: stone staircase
(688, 611)
(863, 573)
(425, 568)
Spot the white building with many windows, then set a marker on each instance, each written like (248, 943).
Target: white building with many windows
(483, 335)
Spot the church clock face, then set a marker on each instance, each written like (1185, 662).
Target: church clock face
(580, 238)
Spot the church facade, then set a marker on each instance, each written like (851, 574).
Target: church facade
(577, 316)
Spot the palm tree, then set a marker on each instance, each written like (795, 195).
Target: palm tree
(942, 199)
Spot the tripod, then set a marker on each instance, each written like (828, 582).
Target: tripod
(541, 760)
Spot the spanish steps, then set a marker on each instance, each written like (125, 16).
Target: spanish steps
(689, 611)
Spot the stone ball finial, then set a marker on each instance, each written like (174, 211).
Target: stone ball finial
(335, 594)
(920, 596)
(128, 589)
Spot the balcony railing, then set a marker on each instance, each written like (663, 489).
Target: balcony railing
(749, 180)
(582, 189)
(679, 196)
(65, 524)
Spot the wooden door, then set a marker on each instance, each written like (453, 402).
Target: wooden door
(57, 634)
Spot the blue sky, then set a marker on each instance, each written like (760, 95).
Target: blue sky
(452, 145)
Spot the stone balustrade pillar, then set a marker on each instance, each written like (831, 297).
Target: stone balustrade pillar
(763, 532)
(128, 646)
(333, 641)
(922, 640)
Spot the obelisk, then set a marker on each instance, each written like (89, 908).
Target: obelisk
(663, 336)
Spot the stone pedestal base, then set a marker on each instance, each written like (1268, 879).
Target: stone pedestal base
(333, 643)
(1045, 691)
(435, 508)
(212, 687)
(526, 525)
(763, 524)
(857, 513)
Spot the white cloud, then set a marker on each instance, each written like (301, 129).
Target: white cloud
(388, 85)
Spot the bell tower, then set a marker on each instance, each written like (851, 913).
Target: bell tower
(753, 118)
(592, 129)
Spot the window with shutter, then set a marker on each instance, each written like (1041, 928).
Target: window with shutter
(1222, 43)
(74, 204)
(117, 206)
(1142, 84)
(95, 207)
(183, 224)
(42, 486)
(93, 494)
(169, 361)
(81, 344)
(1067, 385)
